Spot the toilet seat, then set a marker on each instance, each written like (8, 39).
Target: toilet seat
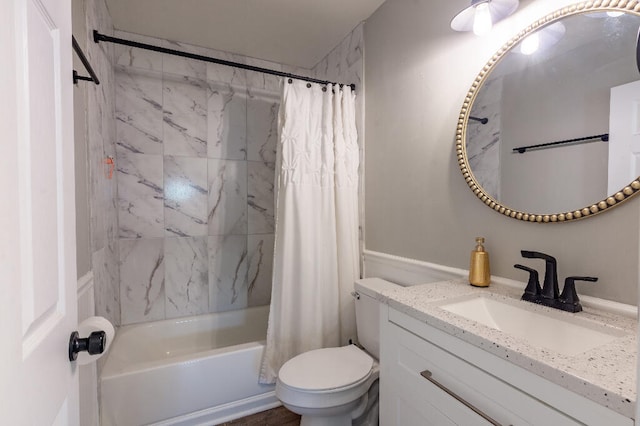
(326, 369)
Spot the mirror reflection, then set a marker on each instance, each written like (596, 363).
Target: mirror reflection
(576, 82)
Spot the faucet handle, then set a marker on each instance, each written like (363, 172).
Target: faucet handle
(533, 289)
(569, 298)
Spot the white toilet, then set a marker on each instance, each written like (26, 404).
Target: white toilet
(338, 386)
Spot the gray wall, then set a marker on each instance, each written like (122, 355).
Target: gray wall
(417, 204)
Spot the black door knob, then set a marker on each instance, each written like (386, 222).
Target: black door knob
(94, 344)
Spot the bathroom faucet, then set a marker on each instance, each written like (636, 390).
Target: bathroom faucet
(549, 295)
(550, 288)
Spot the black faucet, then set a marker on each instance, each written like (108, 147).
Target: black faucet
(550, 288)
(549, 295)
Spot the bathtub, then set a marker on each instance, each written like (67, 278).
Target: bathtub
(199, 370)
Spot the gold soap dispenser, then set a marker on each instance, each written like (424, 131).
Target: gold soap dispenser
(479, 272)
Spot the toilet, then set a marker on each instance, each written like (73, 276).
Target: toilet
(338, 386)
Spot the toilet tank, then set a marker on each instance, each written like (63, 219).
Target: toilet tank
(368, 313)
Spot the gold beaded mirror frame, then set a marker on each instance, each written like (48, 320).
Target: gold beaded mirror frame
(614, 199)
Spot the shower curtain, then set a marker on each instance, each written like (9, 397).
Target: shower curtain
(316, 244)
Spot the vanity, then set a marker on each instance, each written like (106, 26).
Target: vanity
(446, 359)
(544, 137)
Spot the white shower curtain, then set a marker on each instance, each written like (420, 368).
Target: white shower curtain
(316, 243)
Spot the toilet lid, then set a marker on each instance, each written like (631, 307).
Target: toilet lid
(324, 369)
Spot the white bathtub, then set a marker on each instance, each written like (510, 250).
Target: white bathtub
(200, 370)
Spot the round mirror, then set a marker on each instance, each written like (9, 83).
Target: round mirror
(550, 129)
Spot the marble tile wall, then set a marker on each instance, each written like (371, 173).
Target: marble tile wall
(195, 148)
(345, 64)
(101, 137)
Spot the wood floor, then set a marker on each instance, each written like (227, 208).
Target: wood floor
(275, 417)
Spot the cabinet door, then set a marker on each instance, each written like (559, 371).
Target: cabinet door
(418, 404)
(409, 399)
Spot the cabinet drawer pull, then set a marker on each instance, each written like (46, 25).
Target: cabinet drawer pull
(427, 375)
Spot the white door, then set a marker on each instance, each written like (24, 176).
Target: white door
(624, 136)
(38, 384)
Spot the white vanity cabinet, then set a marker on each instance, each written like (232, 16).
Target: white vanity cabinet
(492, 390)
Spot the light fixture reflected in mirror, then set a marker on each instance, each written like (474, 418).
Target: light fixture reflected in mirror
(480, 16)
(542, 39)
(530, 44)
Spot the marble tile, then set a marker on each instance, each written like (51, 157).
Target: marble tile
(225, 74)
(138, 111)
(98, 18)
(227, 272)
(185, 196)
(100, 126)
(262, 126)
(264, 81)
(142, 291)
(97, 218)
(95, 102)
(184, 67)
(186, 276)
(101, 286)
(483, 140)
(260, 197)
(226, 122)
(138, 58)
(111, 209)
(106, 285)
(260, 255)
(108, 120)
(112, 292)
(345, 64)
(227, 207)
(185, 117)
(345, 57)
(140, 195)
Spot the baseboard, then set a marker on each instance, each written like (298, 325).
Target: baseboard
(407, 272)
(226, 412)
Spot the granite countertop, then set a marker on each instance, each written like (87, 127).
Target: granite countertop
(605, 374)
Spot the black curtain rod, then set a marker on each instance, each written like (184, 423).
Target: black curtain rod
(85, 62)
(603, 137)
(97, 37)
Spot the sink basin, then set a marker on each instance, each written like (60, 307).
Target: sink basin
(539, 326)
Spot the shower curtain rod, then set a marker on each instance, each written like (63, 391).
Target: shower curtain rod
(97, 37)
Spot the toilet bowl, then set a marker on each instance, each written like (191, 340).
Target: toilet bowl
(328, 386)
(338, 386)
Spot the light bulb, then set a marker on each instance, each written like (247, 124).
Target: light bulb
(530, 44)
(615, 14)
(482, 20)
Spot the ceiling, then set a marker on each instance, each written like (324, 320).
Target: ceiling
(292, 32)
